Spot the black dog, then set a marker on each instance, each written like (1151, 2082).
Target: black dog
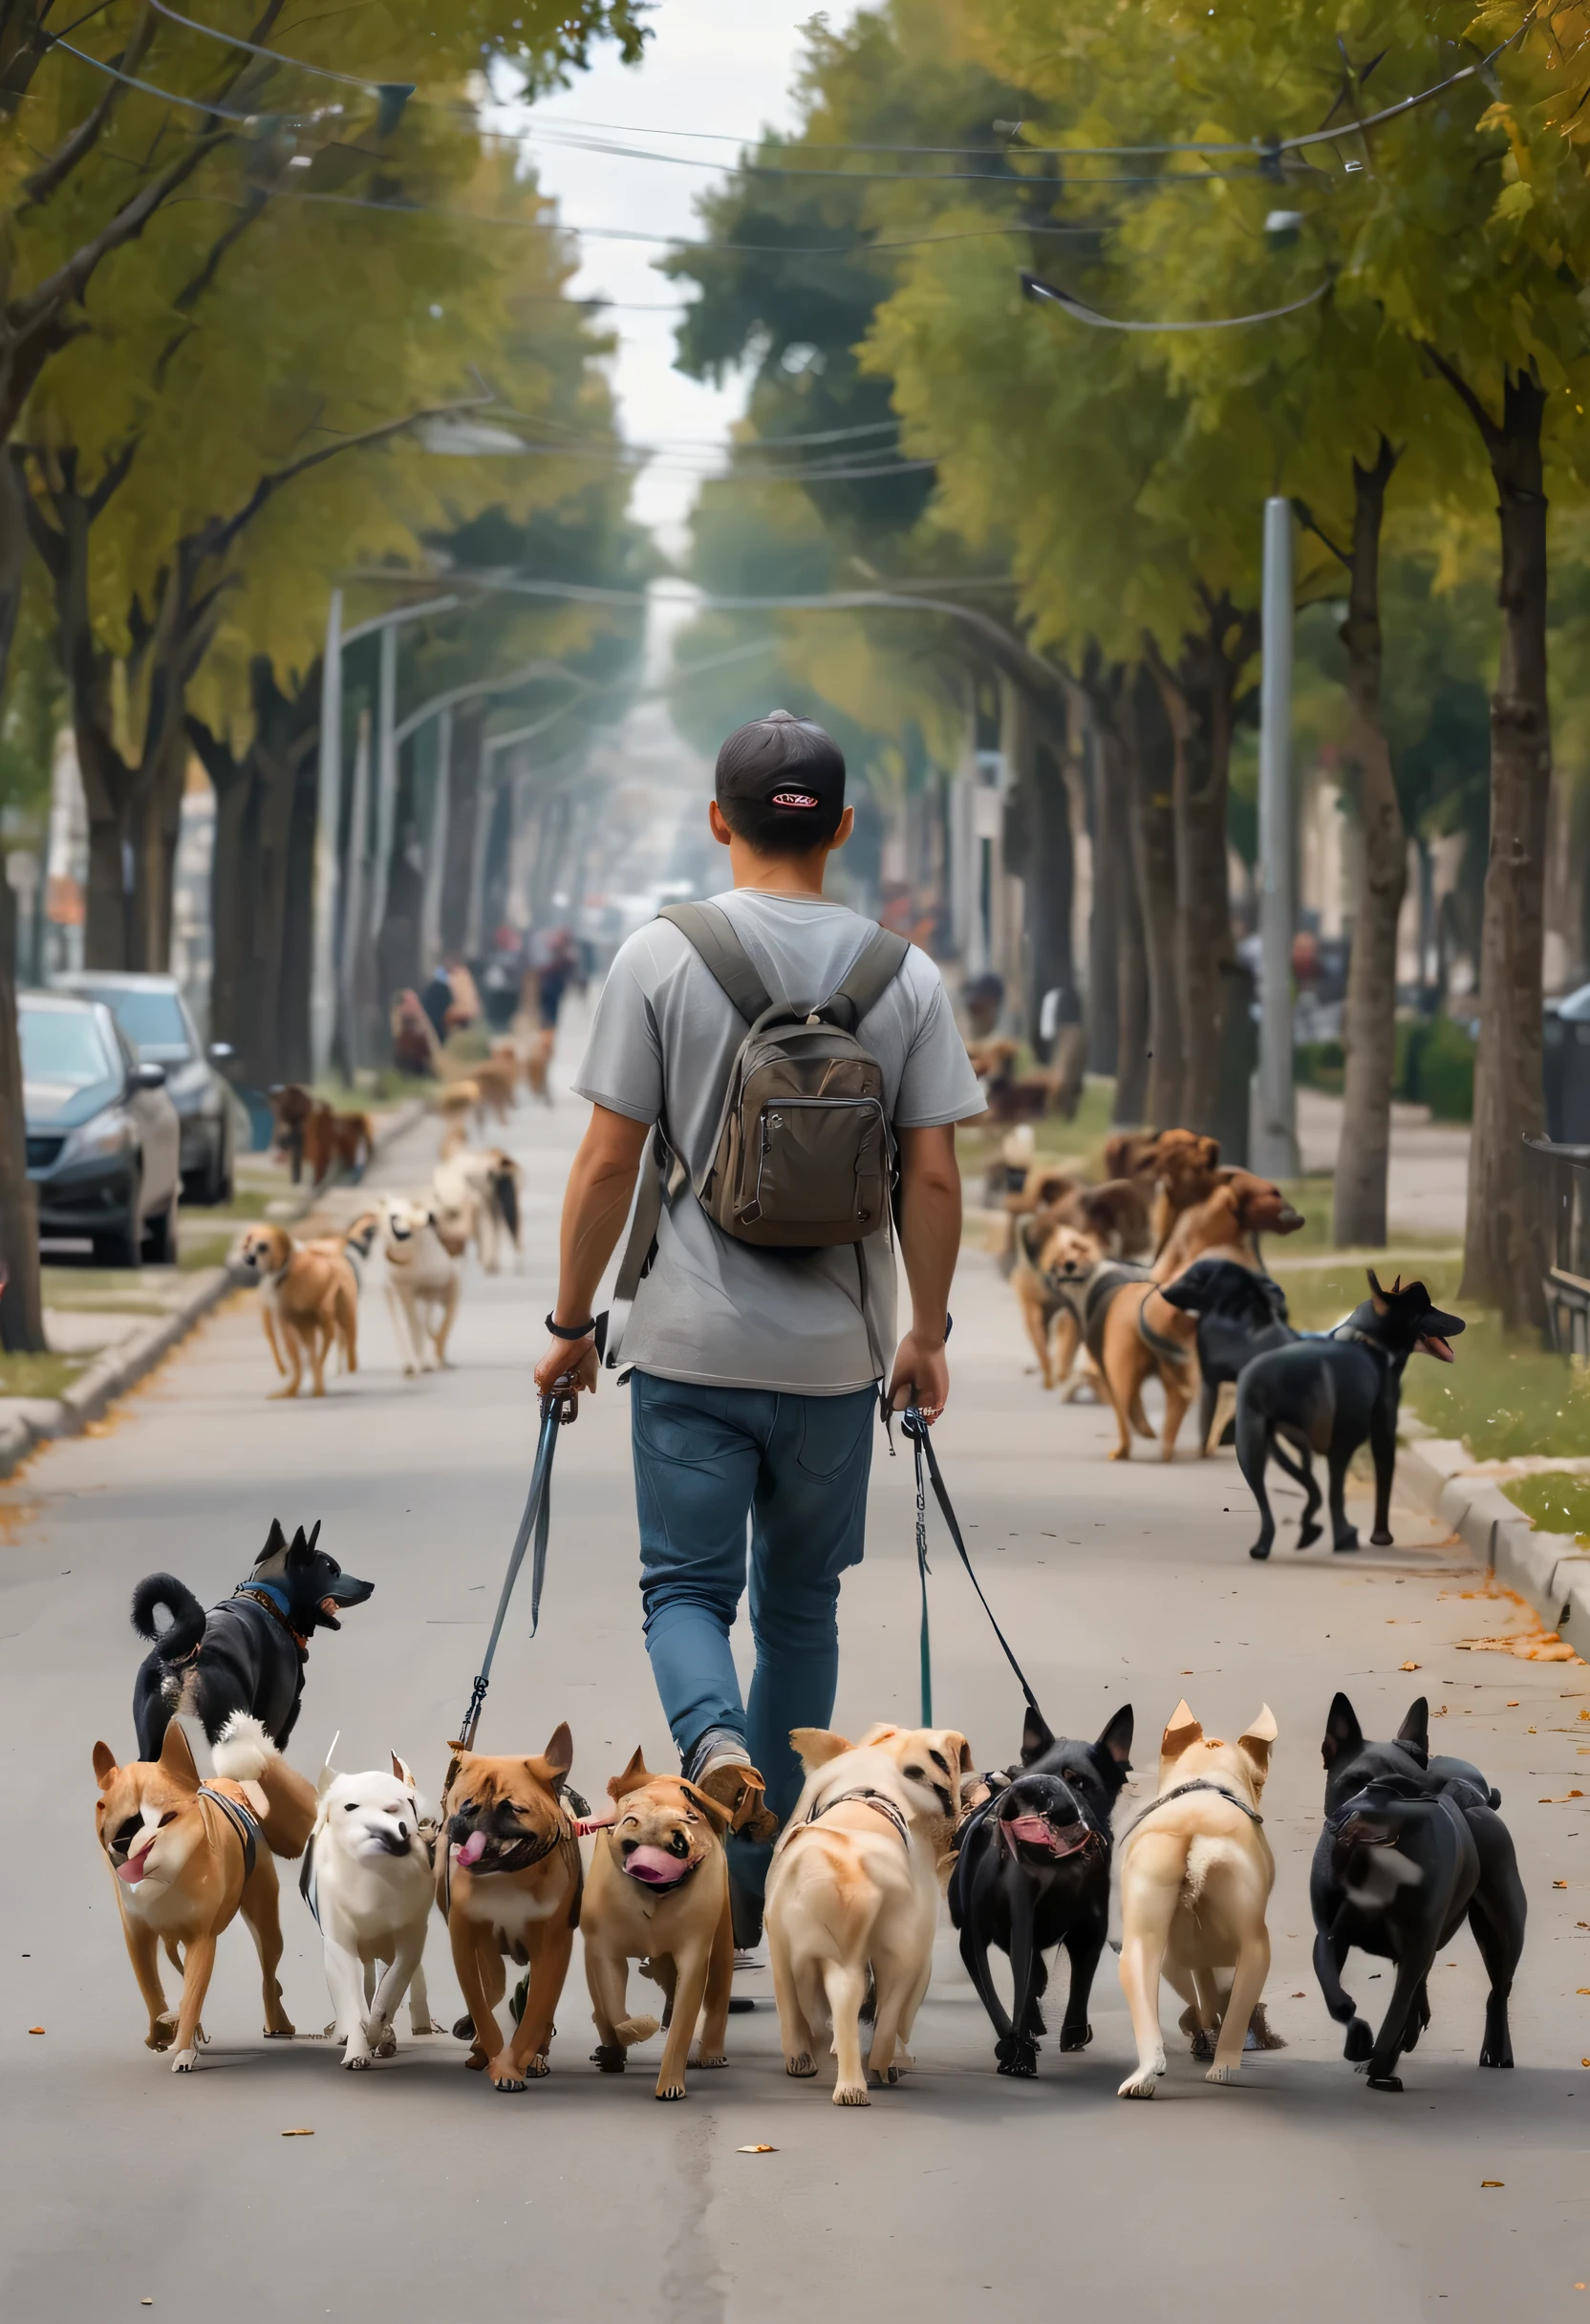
(1242, 1314)
(1327, 1395)
(1411, 1846)
(246, 1654)
(1032, 1870)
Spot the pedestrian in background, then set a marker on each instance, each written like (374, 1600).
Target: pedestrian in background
(755, 1371)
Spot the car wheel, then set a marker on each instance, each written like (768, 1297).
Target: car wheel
(160, 1237)
(221, 1182)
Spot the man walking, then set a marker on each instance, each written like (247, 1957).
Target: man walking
(755, 1369)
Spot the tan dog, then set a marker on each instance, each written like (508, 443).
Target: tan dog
(509, 1883)
(1227, 1224)
(353, 1246)
(538, 1059)
(309, 1297)
(659, 1893)
(854, 1888)
(1185, 1168)
(1051, 1276)
(188, 1856)
(1196, 1874)
(422, 1282)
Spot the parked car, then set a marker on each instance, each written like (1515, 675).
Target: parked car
(154, 1016)
(103, 1137)
(1567, 1068)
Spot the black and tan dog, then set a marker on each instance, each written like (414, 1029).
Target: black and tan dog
(247, 1654)
(1031, 1871)
(509, 1883)
(1411, 1846)
(659, 1893)
(1328, 1395)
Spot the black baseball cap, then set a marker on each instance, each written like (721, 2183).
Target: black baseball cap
(780, 781)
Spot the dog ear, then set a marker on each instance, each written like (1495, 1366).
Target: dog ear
(1257, 1739)
(880, 1731)
(1376, 1293)
(1413, 1734)
(176, 1758)
(1035, 1738)
(298, 1549)
(1342, 1732)
(105, 1763)
(275, 1545)
(633, 1777)
(1181, 1732)
(405, 1774)
(315, 1535)
(558, 1757)
(815, 1746)
(1115, 1743)
(960, 1750)
(719, 1816)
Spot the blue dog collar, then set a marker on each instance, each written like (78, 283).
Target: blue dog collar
(272, 1590)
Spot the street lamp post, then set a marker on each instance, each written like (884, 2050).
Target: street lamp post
(1274, 1133)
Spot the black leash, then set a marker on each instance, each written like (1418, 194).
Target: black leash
(556, 1408)
(928, 1470)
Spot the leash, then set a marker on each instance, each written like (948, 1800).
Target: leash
(928, 1470)
(557, 1407)
(1199, 1783)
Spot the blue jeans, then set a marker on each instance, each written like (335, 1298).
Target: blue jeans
(706, 1460)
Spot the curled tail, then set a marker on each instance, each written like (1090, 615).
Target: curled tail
(186, 1626)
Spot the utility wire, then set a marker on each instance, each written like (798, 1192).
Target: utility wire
(1033, 287)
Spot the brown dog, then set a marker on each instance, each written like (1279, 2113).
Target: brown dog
(659, 1893)
(187, 1856)
(509, 1883)
(337, 1142)
(310, 1299)
(1226, 1224)
(1132, 1153)
(1185, 1168)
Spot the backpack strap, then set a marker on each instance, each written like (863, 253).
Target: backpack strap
(707, 927)
(881, 959)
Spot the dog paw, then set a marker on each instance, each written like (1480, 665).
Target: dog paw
(184, 2061)
(1139, 2086)
(1259, 1549)
(802, 2066)
(1021, 2059)
(387, 2046)
(1385, 2081)
(355, 2061)
(504, 2074)
(851, 2094)
(709, 2057)
(161, 2034)
(464, 2029)
(1358, 2043)
(1223, 2074)
(285, 2031)
(904, 2062)
(1381, 1541)
(1075, 2038)
(1309, 1533)
(607, 2058)
(669, 2090)
(1345, 1541)
(1491, 2058)
(423, 2025)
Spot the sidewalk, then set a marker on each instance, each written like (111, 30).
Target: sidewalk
(1427, 1184)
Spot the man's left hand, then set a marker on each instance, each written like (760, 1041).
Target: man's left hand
(568, 1364)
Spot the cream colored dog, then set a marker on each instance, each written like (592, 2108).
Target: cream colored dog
(854, 1887)
(1196, 1873)
(421, 1284)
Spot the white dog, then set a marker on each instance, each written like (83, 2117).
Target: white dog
(476, 1192)
(855, 1887)
(369, 1880)
(422, 1278)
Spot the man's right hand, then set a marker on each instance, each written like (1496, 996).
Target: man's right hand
(568, 1364)
(921, 1376)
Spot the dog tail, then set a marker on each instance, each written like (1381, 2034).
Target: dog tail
(506, 1193)
(186, 1624)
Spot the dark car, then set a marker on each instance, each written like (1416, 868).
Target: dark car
(154, 1016)
(103, 1138)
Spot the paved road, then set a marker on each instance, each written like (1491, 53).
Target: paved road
(423, 2196)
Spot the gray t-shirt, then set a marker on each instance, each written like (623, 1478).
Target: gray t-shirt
(713, 1310)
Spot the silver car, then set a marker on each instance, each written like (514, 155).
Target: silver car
(154, 1016)
(103, 1138)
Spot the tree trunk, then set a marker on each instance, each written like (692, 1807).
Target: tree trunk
(1132, 961)
(21, 1308)
(1150, 750)
(1369, 1021)
(1504, 1256)
(1104, 919)
(463, 800)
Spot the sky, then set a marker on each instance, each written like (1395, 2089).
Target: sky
(724, 66)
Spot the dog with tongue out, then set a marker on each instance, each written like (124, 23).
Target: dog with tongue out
(659, 1893)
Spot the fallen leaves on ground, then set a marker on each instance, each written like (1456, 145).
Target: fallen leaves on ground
(756, 2150)
(1529, 1646)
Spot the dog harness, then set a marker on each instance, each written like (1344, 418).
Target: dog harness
(1170, 1351)
(1108, 1277)
(244, 1822)
(1199, 1783)
(274, 1601)
(868, 1798)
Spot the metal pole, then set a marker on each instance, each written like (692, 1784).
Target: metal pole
(327, 815)
(354, 914)
(1274, 1140)
(386, 779)
(436, 847)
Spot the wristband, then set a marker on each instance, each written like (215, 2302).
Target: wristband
(572, 1331)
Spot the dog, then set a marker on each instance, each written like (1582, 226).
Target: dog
(1183, 1172)
(1196, 1874)
(497, 1079)
(1330, 1395)
(422, 1282)
(1138, 1333)
(247, 1654)
(537, 1063)
(353, 1246)
(509, 1882)
(292, 1107)
(309, 1296)
(1240, 1315)
(187, 1859)
(369, 1879)
(337, 1142)
(1051, 1284)
(659, 1893)
(479, 1186)
(853, 1889)
(1132, 1153)
(1032, 1871)
(1411, 1846)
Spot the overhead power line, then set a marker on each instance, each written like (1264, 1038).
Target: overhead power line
(1033, 287)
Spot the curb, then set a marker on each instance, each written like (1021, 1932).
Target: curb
(120, 1368)
(1548, 1569)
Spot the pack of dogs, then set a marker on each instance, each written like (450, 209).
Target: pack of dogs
(1158, 1273)
(514, 1861)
